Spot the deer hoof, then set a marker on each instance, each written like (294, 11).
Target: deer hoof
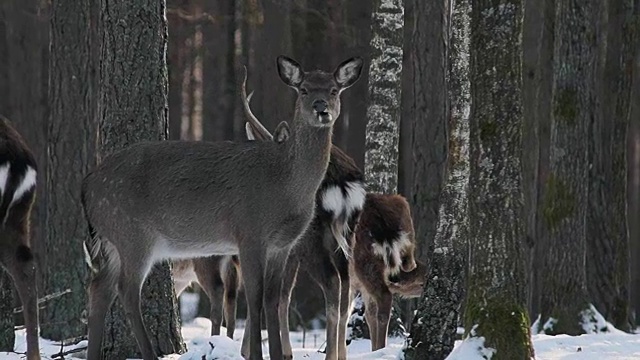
(287, 357)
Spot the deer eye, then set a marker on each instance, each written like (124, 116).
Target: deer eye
(303, 91)
(334, 92)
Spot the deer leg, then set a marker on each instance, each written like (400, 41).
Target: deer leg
(370, 316)
(231, 283)
(252, 274)
(345, 301)
(276, 262)
(288, 282)
(382, 318)
(208, 273)
(129, 288)
(21, 266)
(102, 293)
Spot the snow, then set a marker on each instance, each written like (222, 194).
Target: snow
(614, 345)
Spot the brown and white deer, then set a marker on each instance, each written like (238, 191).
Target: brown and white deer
(18, 188)
(179, 199)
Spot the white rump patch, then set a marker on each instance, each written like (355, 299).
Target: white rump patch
(395, 249)
(27, 183)
(355, 197)
(4, 177)
(332, 200)
(335, 202)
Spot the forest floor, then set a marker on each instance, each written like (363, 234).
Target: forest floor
(609, 346)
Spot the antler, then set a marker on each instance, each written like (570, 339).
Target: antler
(260, 132)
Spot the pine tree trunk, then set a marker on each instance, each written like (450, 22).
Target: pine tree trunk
(564, 304)
(133, 108)
(383, 113)
(496, 291)
(634, 169)
(607, 232)
(434, 328)
(71, 147)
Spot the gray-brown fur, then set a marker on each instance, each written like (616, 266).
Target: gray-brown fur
(219, 277)
(17, 191)
(179, 199)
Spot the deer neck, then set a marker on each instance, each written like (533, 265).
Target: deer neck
(310, 151)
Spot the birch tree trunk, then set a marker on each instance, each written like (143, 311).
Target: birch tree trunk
(496, 291)
(607, 232)
(385, 84)
(133, 108)
(434, 327)
(565, 307)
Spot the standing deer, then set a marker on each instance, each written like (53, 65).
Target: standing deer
(340, 200)
(383, 262)
(180, 199)
(18, 187)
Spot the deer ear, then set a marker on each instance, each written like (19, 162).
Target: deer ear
(290, 71)
(282, 132)
(249, 130)
(348, 72)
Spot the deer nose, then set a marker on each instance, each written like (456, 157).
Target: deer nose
(320, 106)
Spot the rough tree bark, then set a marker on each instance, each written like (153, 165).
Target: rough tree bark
(607, 231)
(383, 113)
(634, 169)
(7, 332)
(71, 147)
(133, 108)
(565, 307)
(434, 328)
(543, 83)
(496, 290)
(430, 115)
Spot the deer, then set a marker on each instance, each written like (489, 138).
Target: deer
(167, 200)
(18, 173)
(384, 262)
(220, 279)
(345, 210)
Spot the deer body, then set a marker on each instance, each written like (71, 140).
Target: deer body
(177, 199)
(17, 190)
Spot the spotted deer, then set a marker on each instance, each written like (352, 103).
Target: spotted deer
(17, 190)
(184, 199)
(342, 207)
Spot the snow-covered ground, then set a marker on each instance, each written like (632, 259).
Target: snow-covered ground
(611, 346)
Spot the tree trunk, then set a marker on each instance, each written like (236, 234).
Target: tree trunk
(133, 108)
(429, 133)
(434, 328)
(71, 147)
(634, 170)
(496, 291)
(542, 104)
(607, 232)
(564, 305)
(385, 84)
(7, 332)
